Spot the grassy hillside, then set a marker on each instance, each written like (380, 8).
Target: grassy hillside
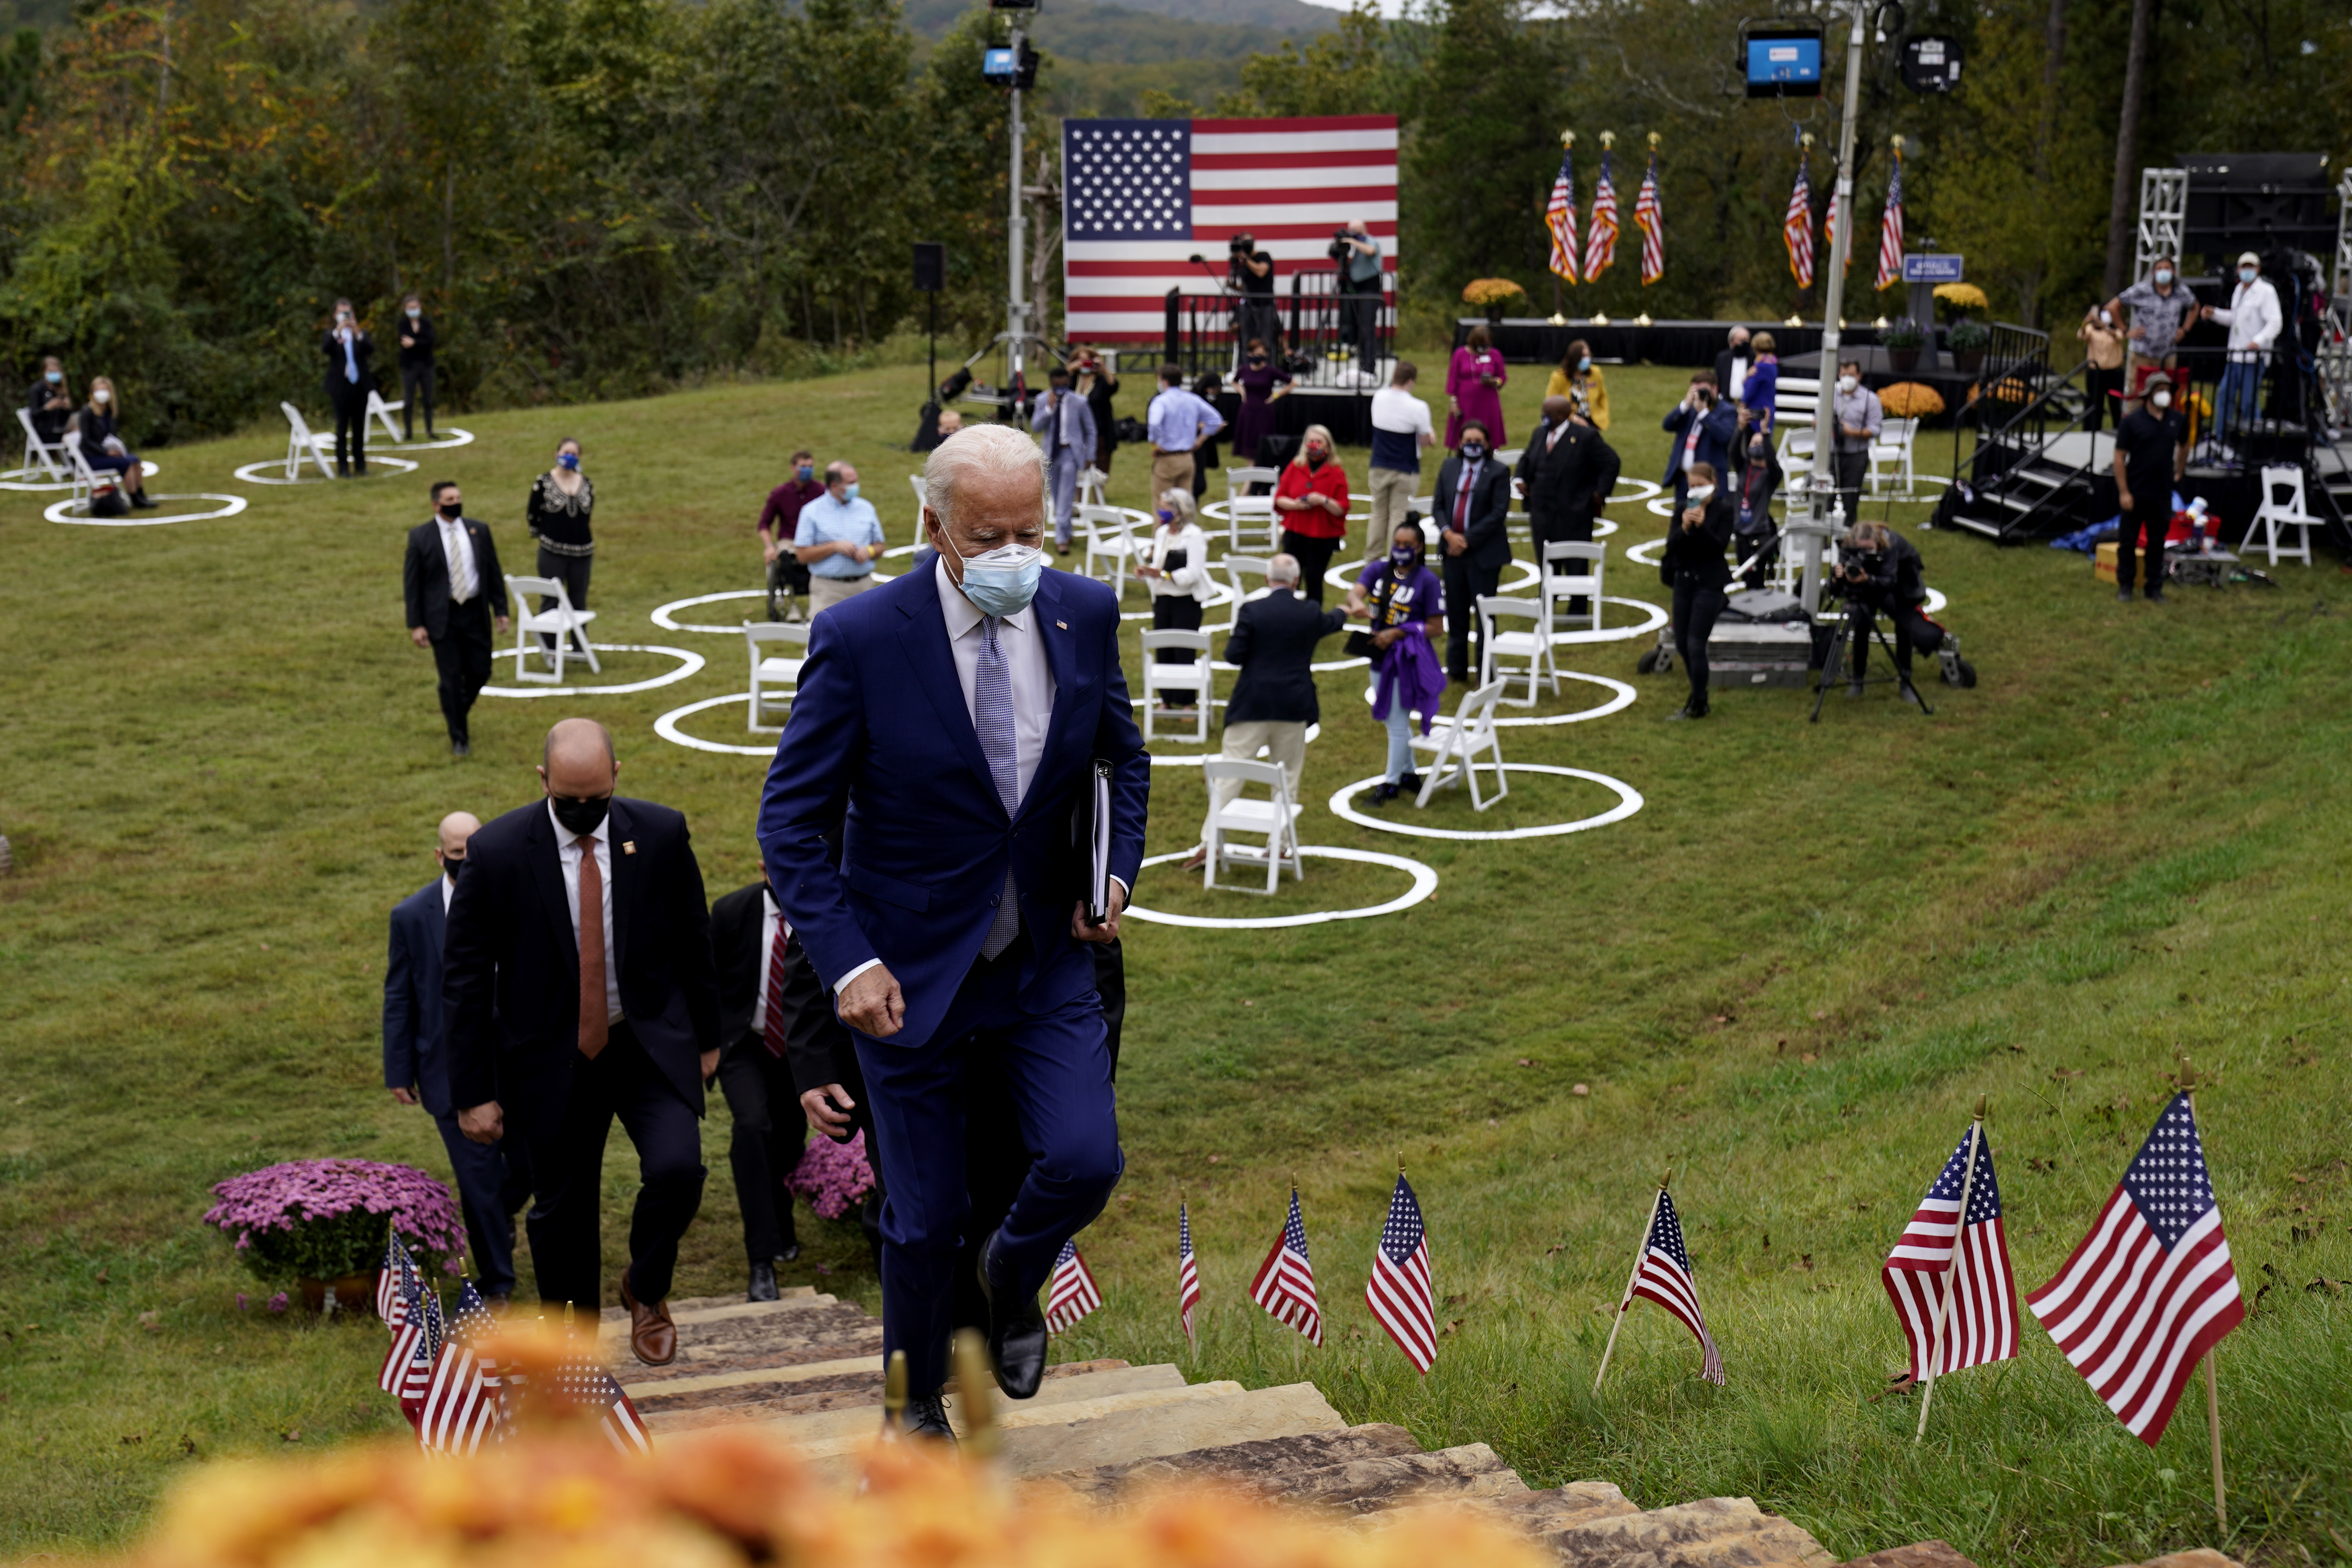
(1787, 977)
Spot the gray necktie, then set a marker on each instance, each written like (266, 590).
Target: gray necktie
(992, 716)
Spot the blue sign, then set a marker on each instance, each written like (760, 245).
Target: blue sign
(1792, 62)
(999, 65)
(1931, 269)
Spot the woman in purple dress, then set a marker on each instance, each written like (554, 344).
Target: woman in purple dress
(1257, 378)
(1474, 388)
(1406, 604)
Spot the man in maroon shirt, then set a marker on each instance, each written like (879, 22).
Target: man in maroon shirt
(778, 519)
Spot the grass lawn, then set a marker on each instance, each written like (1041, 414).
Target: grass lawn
(1787, 977)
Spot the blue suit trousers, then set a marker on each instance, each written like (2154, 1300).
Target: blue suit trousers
(1057, 1067)
(493, 1183)
(1062, 485)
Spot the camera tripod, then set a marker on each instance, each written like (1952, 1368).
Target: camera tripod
(1860, 620)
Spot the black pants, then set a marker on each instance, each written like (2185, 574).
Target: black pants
(493, 1183)
(1695, 609)
(1359, 316)
(2155, 521)
(1259, 319)
(2104, 386)
(351, 427)
(770, 1132)
(571, 571)
(462, 655)
(1314, 560)
(1913, 630)
(786, 577)
(1764, 546)
(1564, 528)
(1849, 468)
(567, 1158)
(1175, 613)
(415, 392)
(1465, 583)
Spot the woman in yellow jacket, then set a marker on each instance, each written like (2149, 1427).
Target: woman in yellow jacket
(1576, 373)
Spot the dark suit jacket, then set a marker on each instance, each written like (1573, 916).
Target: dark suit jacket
(1696, 554)
(425, 575)
(1273, 642)
(338, 384)
(413, 1047)
(1490, 510)
(423, 335)
(1723, 358)
(1717, 427)
(1569, 481)
(511, 969)
(735, 921)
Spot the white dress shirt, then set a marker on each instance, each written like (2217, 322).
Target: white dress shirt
(465, 580)
(448, 891)
(568, 849)
(1024, 656)
(771, 918)
(2254, 320)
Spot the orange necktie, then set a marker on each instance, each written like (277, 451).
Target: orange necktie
(595, 1024)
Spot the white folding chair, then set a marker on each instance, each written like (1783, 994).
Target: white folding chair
(1534, 645)
(1110, 536)
(1091, 481)
(49, 456)
(1509, 456)
(1239, 566)
(778, 650)
(87, 480)
(1469, 732)
(1797, 448)
(1890, 454)
(1559, 583)
(1250, 514)
(1195, 678)
(2278, 513)
(569, 627)
(378, 408)
(302, 442)
(1274, 819)
(1796, 400)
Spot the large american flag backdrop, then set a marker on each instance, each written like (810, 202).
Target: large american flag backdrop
(1142, 196)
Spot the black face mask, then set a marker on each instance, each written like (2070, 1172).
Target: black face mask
(452, 510)
(581, 816)
(451, 865)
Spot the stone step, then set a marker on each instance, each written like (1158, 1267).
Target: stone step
(857, 1384)
(699, 1310)
(1370, 1486)
(1944, 1554)
(745, 1334)
(1223, 1414)
(1712, 1532)
(1549, 1513)
(1059, 1402)
(1268, 1462)
(812, 1334)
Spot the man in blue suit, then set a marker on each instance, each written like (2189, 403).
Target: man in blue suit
(1067, 425)
(493, 1179)
(956, 716)
(1702, 424)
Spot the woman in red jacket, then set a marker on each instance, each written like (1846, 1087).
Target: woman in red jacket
(1311, 500)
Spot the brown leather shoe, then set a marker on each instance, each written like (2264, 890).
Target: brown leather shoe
(651, 1334)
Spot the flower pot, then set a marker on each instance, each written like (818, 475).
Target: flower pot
(1970, 360)
(1494, 315)
(354, 1292)
(1903, 361)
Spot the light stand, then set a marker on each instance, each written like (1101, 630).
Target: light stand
(1015, 68)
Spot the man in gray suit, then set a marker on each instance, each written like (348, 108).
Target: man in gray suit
(493, 1179)
(1067, 425)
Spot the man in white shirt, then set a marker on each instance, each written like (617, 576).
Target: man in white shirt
(1401, 431)
(451, 582)
(2254, 319)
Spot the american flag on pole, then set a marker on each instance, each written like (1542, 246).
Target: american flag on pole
(1188, 1272)
(398, 1268)
(1560, 217)
(580, 1382)
(1399, 1291)
(1664, 1277)
(1285, 1285)
(1143, 197)
(1070, 1294)
(465, 1401)
(1601, 240)
(423, 1333)
(1797, 227)
(1890, 230)
(2151, 1290)
(407, 1321)
(1981, 1324)
(1650, 220)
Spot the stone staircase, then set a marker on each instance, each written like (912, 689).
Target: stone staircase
(809, 1367)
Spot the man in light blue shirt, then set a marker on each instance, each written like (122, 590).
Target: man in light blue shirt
(1179, 421)
(837, 538)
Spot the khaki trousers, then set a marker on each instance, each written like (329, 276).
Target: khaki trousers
(826, 592)
(1169, 471)
(1391, 498)
(1285, 743)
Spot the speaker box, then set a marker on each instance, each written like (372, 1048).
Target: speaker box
(931, 267)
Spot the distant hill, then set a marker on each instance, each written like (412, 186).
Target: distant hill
(1227, 18)
(1105, 58)
(1283, 15)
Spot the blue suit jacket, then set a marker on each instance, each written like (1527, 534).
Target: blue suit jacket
(413, 1040)
(1715, 432)
(879, 728)
(1082, 426)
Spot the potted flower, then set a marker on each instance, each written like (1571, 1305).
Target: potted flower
(323, 1223)
(1968, 340)
(1492, 295)
(1903, 341)
(833, 1177)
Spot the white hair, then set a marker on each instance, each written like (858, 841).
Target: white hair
(996, 450)
(1178, 499)
(1282, 569)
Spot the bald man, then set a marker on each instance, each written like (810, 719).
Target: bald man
(578, 984)
(493, 1180)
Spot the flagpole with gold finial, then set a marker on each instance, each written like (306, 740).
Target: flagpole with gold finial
(1608, 141)
(1626, 1301)
(1952, 1272)
(1558, 310)
(1643, 318)
(2212, 1388)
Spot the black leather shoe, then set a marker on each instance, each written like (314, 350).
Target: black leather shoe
(1016, 1336)
(926, 1418)
(763, 1283)
(792, 1250)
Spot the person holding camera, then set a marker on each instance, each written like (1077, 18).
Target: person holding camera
(1474, 388)
(1357, 254)
(1250, 275)
(350, 353)
(2102, 352)
(1704, 424)
(1693, 564)
(1753, 538)
(1880, 571)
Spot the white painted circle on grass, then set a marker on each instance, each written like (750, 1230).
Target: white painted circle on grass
(1622, 697)
(1345, 575)
(1663, 506)
(1424, 882)
(1653, 616)
(62, 511)
(456, 437)
(22, 479)
(1642, 491)
(1647, 552)
(667, 727)
(309, 472)
(1628, 801)
(690, 663)
(664, 617)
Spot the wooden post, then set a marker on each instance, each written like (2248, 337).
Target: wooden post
(1952, 1273)
(2212, 1388)
(1626, 1301)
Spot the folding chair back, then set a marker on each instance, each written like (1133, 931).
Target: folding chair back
(49, 456)
(1572, 570)
(1249, 514)
(378, 408)
(1797, 400)
(1460, 745)
(1110, 536)
(300, 442)
(1533, 644)
(1273, 818)
(1239, 566)
(1196, 680)
(85, 480)
(1091, 481)
(2282, 509)
(778, 650)
(557, 618)
(1890, 454)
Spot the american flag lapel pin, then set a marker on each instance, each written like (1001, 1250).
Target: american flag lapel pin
(629, 847)
(1064, 625)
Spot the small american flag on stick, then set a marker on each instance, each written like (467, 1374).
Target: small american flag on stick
(581, 1382)
(465, 1402)
(1662, 1273)
(1399, 1291)
(415, 1372)
(407, 1322)
(1070, 1294)
(398, 1268)
(1188, 1272)
(1975, 1300)
(1285, 1285)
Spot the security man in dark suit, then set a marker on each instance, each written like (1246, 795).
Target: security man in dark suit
(452, 582)
(1472, 506)
(493, 1179)
(565, 1033)
(749, 938)
(1566, 475)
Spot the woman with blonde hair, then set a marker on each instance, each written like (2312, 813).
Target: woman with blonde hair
(1579, 376)
(1310, 502)
(1176, 569)
(95, 427)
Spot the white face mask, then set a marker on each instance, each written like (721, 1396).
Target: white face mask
(1699, 494)
(2162, 400)
(2163, 275)
(2247, 274)
(101, 395)
(1846, 384)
